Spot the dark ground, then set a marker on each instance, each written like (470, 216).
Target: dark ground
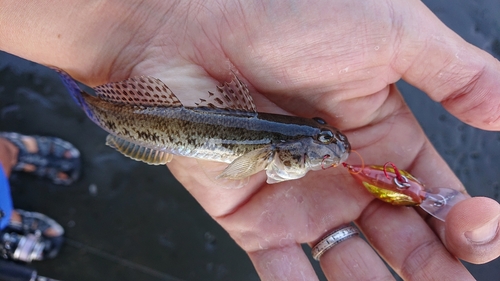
(128, 221)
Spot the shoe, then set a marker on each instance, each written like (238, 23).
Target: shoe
(20, 238)
(53, 157)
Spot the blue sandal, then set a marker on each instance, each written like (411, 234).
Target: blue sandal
(27, 240)
(54, 156)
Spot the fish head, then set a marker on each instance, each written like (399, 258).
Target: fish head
(328, 148)
(292, 160)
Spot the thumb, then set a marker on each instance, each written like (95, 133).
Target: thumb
(472, 228)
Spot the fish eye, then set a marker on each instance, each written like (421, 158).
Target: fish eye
(325, 137)
(319, 120)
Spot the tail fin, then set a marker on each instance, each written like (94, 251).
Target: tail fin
(73, 88)
(76, 93)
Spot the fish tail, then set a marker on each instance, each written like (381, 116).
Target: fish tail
(74, 90)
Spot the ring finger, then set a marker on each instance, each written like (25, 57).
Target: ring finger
(353, 259)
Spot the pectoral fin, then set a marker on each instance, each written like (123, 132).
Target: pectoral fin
(138, 152)
(213, 169)
(248, 164)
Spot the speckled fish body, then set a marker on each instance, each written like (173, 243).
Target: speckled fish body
(147, 122)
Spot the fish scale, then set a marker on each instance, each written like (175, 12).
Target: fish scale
(177, 128)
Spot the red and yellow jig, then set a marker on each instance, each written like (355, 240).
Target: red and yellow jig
(399, 187)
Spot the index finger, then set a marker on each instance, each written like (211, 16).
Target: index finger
(463, 78)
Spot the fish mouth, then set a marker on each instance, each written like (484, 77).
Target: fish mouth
(344, 156)
(336, 160)
(316, 164)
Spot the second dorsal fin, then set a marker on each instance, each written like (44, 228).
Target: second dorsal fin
(233, 96)
(142, 91)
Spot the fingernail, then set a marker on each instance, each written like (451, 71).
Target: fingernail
(483, 234)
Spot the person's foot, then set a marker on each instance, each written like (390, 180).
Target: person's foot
(47, 157)
(30, 236)
(34, 223)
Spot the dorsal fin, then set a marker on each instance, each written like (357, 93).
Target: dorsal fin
(141, 90)
(138, 152)
(233, 96)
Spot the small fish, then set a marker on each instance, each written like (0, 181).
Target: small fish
(147, 122)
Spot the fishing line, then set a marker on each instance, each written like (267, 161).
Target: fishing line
(121, 261)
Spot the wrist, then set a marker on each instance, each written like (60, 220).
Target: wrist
(84, 37)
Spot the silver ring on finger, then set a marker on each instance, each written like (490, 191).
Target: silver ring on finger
(333, 238)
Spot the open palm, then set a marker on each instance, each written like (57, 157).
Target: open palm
(336, 60)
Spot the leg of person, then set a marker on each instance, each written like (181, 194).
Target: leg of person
(5, 200)
(8, 155)
(27, 236)
(48, 157)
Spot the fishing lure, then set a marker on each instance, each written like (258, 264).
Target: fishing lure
(398, 187)
(147, 122)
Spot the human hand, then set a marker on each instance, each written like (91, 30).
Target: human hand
(332, 59)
